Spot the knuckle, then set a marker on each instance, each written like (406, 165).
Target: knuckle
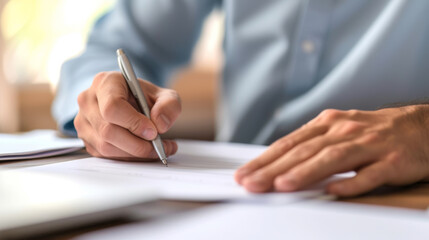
(371, 138)
(302, 151)
(330, 114)
(284, 144)
(335, 152)
(142, 150)
(106, 131)
(350, 127)
(395, 159)
(82, 98)
(99, 77)
(353, 113)
(134, 124)
(77, 119)
(109, 109)
(104, 148)
(114, 76)
(77, 122)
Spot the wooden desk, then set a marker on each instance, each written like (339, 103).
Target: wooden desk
(415, 197)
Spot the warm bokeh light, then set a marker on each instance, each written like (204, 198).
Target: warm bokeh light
(41, 34)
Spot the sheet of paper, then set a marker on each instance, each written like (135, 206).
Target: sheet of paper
(304, 220)
(200, 171)
(32, 203)
(36, 144)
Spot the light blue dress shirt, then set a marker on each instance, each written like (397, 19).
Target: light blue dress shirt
(285, 60)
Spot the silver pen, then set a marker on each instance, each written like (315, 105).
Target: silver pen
(133, 84)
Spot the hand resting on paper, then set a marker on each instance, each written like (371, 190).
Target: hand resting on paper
(110, 125)
(385, 147)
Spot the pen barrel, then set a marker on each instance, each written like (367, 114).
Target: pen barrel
(135, 88)
(132, 82)
(159, 148)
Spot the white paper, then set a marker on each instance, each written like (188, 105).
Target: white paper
(33, 203)
(200, 171)
(36, 144)
(304, 220)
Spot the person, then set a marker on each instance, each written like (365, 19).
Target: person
(285, 62)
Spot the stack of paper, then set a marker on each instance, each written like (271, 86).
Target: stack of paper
(203, 171)
(36, 144)
(199, 171)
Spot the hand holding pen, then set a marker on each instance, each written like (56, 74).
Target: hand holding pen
(134, 86)
(111, 125)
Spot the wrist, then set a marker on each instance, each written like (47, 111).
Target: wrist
(419, 115)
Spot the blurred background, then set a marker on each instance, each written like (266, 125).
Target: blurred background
(37, 36)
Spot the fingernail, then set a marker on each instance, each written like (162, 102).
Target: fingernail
(149, 133)
(164, 123)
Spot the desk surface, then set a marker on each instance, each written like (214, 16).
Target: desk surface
(415, 196)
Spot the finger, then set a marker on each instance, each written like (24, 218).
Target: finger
(279, 148)
(149, 89)
(114, 108)
(367, 179)
(95, 145)
(126, 157)
(166, 110)
(333, 159)
(127, 142)
(262, 179)
(123, 139)
(170, 147)
(91, 150)
(173, 147)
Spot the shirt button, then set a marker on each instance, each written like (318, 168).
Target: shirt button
(308, 46)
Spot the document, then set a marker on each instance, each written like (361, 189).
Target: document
(310, 220)
(36, 144)
(199, 171)
(32, 203)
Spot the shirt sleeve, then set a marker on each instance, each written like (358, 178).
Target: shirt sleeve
(158, 36)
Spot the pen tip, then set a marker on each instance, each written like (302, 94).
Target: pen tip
(164, 161)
